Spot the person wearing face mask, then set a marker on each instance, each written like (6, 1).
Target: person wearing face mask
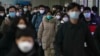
(58, 16)
(46, 34)
(2, 17)
(37, 18)
(27, 12)
(19, 23)
(96, 14)
(65, 18)
(2, 14)
(24, 44)
(8, 19)
(19, 12)
(54, 9)
(89, 19)
(33, 12)
(71, 36)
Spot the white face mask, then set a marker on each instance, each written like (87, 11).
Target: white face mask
(42, 11)
(58, 17)
(18, 14)
(25, 46)
(21, 26)
(2, 14)
(82, 9)
(74, 15)
(25, 9)
(65, 19)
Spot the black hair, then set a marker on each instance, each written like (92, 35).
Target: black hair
(49, 12)
(2, 8)
(73, 5)
(54, 6)
(65, 14)
(30, 4)
(94, 8)
(87, 8)
(25, 32)
(58, 12)
(41, 6)
(12, 7)
(16, 21)
(17, 4)
(82, 6)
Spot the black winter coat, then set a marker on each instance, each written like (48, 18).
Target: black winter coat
(70, 40)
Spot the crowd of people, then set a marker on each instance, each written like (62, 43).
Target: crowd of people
(71, 30)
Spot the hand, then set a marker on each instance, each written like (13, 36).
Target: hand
(7, 21)
(40, 42)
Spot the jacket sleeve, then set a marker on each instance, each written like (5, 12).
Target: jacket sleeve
(91, 43)
(97, 34)
(40, 31)
(58, 41)
(33, 19)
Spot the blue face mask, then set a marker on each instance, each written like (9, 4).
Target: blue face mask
(12, 14)
(87, 15)
(49, 17)
(74, 15)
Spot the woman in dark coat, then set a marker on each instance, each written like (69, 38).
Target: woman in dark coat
(8, 38)
(24, 44)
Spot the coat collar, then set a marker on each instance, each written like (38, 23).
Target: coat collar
(74, 25)
(51, 20)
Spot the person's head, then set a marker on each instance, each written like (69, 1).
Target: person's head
(65, 17)
(47, 9)
(19, 12)
(49, 15)
(25, 40)
(34, 10)
(42, 9)
(95, 10)
(54, 8)
(82, 8)
(25, 8)
(29, 7)
(58, 15)
(73, 11)
(20, 23)
(17, 5)
(2, 11)
(87, 13)
(12, 11)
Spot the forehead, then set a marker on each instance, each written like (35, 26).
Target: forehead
(26, 38)
(86, 10)
(58, 13)
(75, 9)
(41, 7)
(12, 9)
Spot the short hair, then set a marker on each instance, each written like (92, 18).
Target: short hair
(25, 32)
(73, 5)
(2, 8)
(87, 8)
(12, 7)
(41, 6)
(94, 8)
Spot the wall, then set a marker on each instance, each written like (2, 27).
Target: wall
(49, 2)
(8, 1)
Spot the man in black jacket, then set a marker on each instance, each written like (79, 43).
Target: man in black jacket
(72, 35)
